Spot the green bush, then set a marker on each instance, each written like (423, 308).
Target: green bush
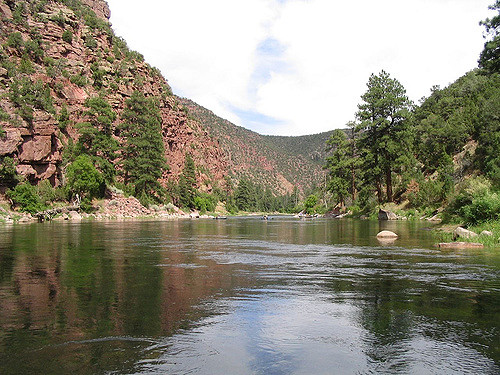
(18, 15)
(204, 202)
(8, 174)
(475, 203)
(310, 203)
(59, 18)
(67, 36)
(15, 40)
(482, 209)
(26, 66)
(49, 194)
(24, 92)
(34, 50)
(63, 118)
(26, 197)
(79, 80)
(84, 179)
(90, 42)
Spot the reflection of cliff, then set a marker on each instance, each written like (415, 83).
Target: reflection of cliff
(76, 282)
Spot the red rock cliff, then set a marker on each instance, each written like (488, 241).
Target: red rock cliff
(51, 53)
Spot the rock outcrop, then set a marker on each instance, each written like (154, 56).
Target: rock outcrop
(386, 215)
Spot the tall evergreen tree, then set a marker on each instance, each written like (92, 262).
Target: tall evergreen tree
(96, 137)
(384, 131)
(244, 195)
(341, 164)
(187, 183)
(490, 56)
(144, 152)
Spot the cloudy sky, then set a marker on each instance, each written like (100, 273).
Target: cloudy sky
(294, 67)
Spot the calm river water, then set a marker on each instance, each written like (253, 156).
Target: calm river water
(244, 296)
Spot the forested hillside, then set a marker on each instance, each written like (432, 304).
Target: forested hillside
(442, 153)
(280, 163)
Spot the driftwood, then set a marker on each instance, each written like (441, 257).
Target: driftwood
(48, 215)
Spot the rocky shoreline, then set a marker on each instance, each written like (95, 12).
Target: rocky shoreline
(117, 208)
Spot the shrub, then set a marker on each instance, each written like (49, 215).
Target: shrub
(59, 18)
(98, 75)
(204, 202)
(79, 80)
(26, 66)
(67, 36)
(18, 15)
(475, 203)
(63, 117)
(15, 40)
(25, 196)
(90, 42)
(8, 174)
(24, 92)
(482, 208)
(84, 179)
(49, 194)
(34, 50)
(310, 203)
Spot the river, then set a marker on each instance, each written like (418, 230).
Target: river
(244, 296)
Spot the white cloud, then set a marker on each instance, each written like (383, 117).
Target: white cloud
(302, 63)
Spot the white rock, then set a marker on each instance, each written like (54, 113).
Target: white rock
(73, 215)
(464, 233)
(387, 234)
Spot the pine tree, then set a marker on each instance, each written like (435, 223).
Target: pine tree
(244, 195)
(96, 137)
(341, 166)
(490, 56)
(384, 132)
(187, 183)
(144, 152)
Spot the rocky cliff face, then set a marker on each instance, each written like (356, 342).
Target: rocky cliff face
(53, 57)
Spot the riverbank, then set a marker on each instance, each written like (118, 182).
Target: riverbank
(129, 208)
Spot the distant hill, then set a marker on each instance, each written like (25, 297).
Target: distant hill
(276, 161)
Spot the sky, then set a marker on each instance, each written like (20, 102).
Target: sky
(295, 67)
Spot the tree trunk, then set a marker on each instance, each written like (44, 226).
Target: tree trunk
(379, 190)
(353, 185)
(388, 181)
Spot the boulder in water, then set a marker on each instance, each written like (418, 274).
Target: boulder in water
(387, 234)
